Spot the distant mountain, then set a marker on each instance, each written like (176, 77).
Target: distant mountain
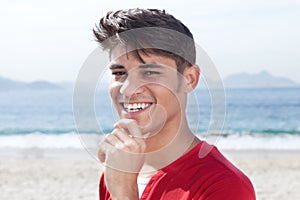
(67, 85)
(259, 80)
(8, 85)
(241, 80)
(41, 85)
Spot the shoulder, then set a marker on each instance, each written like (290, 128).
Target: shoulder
(205, 172)
(224, 180)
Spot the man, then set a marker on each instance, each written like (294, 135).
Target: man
(152, 153)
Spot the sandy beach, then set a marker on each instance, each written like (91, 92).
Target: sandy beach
(51, 174)
(275, 174)
(74, 174)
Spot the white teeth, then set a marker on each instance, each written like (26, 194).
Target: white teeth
(135, 106)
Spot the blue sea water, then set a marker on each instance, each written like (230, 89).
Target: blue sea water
(48, 115)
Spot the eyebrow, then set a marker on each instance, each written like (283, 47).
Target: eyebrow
(115, 66)
(145, 66)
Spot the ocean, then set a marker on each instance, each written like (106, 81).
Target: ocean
(261, 118)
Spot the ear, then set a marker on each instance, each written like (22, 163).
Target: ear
(191, 75)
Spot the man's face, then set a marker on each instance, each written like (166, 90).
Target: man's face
(149, 92)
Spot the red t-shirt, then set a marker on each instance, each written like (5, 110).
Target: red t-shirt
(201, 174)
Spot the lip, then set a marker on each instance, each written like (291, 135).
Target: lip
(136, 113)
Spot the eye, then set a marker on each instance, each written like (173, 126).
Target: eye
(119, 75)
(150, 73)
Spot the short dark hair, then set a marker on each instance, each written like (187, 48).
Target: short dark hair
(119, 21)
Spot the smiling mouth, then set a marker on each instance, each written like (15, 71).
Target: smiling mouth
(135, 107)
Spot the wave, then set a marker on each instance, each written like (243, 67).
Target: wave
(47, 131)
(265, 132)
(90, 141)
(254, 141)
(17, 131)
(45, 141)
(280, 132)
(225, 132)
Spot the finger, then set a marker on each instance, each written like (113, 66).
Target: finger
(116, 141)
(112, 139)
(131, 144)
(103, 147)
(133, 138)
(109, 144)
(122, 134)
(131, 126)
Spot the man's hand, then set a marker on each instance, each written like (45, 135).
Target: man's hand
(122, 151)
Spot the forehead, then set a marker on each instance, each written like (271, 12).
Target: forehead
(130, 59)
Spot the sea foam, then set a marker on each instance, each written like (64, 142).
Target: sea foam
(90, 141)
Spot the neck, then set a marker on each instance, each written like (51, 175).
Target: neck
(167, 146)
(175, 129)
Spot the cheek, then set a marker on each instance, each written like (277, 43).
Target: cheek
(114, 87)
(170, 84)
(113, 91)
(170, 98)
(165, 96)
(163, 87)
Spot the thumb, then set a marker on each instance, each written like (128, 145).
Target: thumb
(131, 126)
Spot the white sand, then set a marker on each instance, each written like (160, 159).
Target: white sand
(275, 174)
(69, 174)
(40, 177)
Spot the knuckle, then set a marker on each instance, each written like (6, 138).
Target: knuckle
(120, 146)
(107, 136)
(115, 131)
(130, 142)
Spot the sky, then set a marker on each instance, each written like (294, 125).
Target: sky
(50, 40)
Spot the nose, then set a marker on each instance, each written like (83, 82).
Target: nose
(132, 85)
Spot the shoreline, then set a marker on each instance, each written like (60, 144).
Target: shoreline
(233, 141)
